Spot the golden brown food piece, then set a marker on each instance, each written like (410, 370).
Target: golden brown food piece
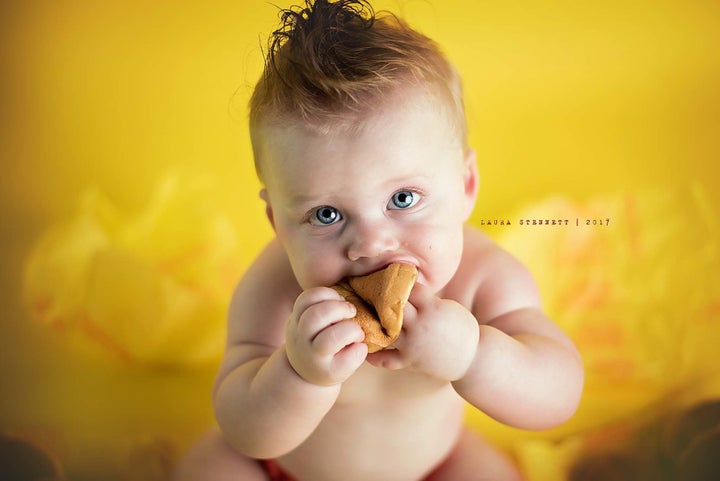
(379, 298)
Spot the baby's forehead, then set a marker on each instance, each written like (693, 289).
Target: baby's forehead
(387, 113)
(414, 117)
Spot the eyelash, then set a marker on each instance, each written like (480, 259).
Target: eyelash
(314, 213)
(416, 197)
(337, 216)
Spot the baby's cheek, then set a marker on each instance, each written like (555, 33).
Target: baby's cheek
(443, 258)
(319, 271)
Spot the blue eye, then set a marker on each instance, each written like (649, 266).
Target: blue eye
(404, 199)
(325, 215)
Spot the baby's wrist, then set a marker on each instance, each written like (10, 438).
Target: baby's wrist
(466, 353)
(310, 375)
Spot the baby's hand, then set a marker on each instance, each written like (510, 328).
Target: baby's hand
(322, 344)
(439, 337)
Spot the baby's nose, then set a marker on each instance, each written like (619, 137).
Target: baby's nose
(369, 240)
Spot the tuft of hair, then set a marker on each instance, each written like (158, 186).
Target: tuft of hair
(332, 62)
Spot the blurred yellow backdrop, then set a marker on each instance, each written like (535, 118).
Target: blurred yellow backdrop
(570, 98)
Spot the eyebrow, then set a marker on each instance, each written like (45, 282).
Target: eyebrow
(300, 199)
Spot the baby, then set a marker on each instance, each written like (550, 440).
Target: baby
(360, 142)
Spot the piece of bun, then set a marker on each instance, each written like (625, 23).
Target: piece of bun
(379, 298)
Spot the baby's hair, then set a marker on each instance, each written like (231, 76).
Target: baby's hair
(331, 63)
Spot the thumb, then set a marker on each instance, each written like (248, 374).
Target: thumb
(387, 358)
(421, 295)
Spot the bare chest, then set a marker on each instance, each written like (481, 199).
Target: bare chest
(385, 426)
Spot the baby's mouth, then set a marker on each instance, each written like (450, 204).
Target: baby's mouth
(372, 268)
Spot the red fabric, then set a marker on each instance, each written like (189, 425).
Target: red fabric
(274, 471)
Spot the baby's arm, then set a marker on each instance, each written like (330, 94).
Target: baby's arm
(491, 339)
(526, 372)
(263, 406)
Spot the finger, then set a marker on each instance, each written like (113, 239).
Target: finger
(420, 295)
(387, 358)
(410, 313)
(349, 359)
(332, 339)
(319, 316)
(313, 296)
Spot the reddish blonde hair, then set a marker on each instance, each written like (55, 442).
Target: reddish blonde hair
(330, 64)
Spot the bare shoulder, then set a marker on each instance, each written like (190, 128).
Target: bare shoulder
(496, 281)
(503, 293)
(263, 299)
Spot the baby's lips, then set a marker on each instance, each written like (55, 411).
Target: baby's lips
(384, 265)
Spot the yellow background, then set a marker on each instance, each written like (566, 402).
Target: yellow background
(573, 98)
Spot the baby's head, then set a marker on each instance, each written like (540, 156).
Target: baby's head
(359, 138)
(333, 65)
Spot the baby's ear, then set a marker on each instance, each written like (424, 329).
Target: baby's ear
(471, 179)
(268, 208)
